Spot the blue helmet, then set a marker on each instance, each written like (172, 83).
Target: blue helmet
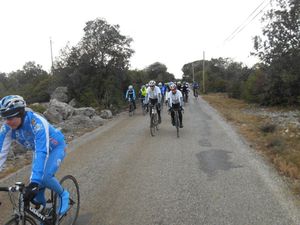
(11, 105)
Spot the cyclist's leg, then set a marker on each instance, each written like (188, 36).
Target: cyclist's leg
(158, 112)
(134, 106)
(172, 118)
(180, 118)
(49, 180)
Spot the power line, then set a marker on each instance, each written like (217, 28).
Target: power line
(243, 25)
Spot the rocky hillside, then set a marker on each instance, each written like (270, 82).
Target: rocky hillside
(64, 115)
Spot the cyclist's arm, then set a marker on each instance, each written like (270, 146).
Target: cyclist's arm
(126, 96)
(5, 142)
(158, 94)
(169, 100)
(180, 98)
(40, 129)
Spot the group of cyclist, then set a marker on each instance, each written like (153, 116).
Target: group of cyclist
(174, 94)
(34, 132)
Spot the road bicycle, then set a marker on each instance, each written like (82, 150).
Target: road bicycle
(153, 120)
(25, 213)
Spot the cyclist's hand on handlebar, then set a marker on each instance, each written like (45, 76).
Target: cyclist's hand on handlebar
(30, 191)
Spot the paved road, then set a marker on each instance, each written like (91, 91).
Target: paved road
(207, 176)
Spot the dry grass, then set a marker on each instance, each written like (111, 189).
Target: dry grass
(280, 147)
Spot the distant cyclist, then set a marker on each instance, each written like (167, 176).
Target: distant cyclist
(175, 101)
(163, 90)
(34, 132)
(179, 86)
(185, 91)
(196, 88)
(142, 95)
(154, 97)
(130, 95)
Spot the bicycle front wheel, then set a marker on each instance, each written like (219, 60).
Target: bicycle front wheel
(177, 123)
(131, 109)
(71, 185)
(152, 125)
(17, 221)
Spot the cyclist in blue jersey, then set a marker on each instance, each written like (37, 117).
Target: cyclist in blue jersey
(130, 95)
(196, 87)
(163, 89)
(34, 132)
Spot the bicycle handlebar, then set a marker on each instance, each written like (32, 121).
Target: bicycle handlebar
(10, 189)
(4, 189)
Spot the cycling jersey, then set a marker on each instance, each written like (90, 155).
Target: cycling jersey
(130, 93)
(175, 98)
(153, 94)
(143, 92)
(38, 135)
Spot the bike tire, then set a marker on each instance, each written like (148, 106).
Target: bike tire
(131, 109)
(71, 185)
(156, 121)
(177, 123)
(152, 126)
(15, 221)
(144, 110)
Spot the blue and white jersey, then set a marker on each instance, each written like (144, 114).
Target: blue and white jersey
(130, 93)
(35, 134)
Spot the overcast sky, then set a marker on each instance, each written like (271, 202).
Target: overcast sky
(173, 32)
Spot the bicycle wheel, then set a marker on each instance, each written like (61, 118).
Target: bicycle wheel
(156, 121)
(144, 109)
(70, 184)
(177, 123)
(130, 109)
(152, 125)
(16, 221)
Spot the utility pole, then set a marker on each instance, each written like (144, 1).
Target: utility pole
(51, 56)
(203, 74)
(193, 72)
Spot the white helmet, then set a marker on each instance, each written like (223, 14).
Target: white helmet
(173, 86)
(152, 83)
(130, 87)
(159, 84)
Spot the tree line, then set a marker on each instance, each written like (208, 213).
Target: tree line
(273, 81)
(96, 70)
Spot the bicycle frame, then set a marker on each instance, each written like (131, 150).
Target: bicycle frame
(22, 209)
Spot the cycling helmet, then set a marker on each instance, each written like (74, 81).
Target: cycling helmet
(152, 83)
(147, 85)
(159, 84)
(173, 86)
(11, 106)
(130, 87)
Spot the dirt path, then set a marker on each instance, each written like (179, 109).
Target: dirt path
(207, 176)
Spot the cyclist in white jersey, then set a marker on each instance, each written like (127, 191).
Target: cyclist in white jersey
(154, 97)
(175, 101)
